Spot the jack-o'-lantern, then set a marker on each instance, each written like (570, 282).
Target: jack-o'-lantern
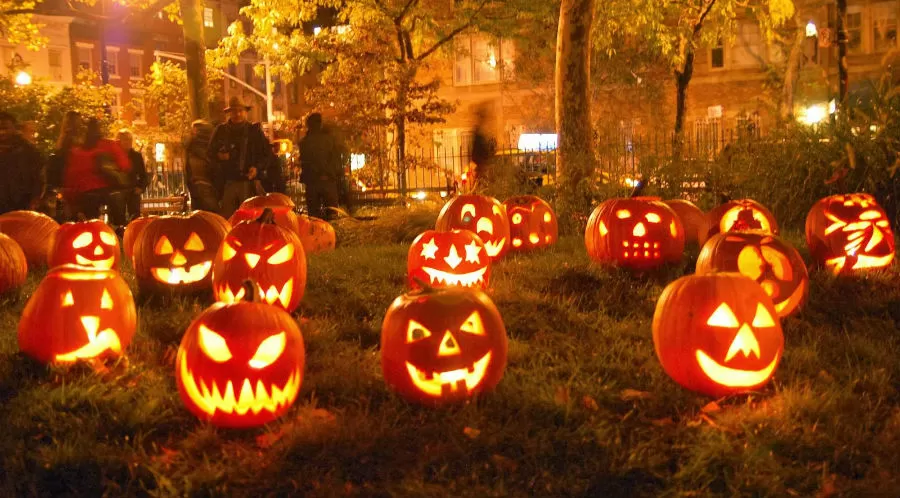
(482, 215)
(443, 345)
(13, 265)
(266, 253)
(767, 259)
(717, 333)
(281, 205)
(694, 221)
(33, 232)
(638, 233)
(444, 259)
(532, 223)
(849, 233)
(316, 234)
(132, 230)
(90, 243)
(77, 313)
(175, 253)
(240, 364)
(741, 215)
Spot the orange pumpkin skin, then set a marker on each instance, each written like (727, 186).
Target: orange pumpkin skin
(741, 215)
(694, 221)
(482, 215)
(443, 346)
(280, 204)
(316, 234)
(249, 349)
(849, 234)
(90, 243)
(639, 233)
(532, 223)
(717, 334)
(270, 200)
(33, 232)
(766, 259)
(444, 259)
(77, 313)
(13, 265)
(132, 230)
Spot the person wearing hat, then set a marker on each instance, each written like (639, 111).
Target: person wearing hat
(241, 151)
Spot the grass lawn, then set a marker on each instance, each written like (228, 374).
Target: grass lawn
(584, 409)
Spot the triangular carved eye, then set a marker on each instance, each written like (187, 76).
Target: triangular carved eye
(473, 325)
(415, 332)
(723, 317)
(163, 246)
(106, 302)
(282, 256)
(228, 252)
(762, 318)
(68, 299)
(194, 243)
(269, 351)
(214, 345)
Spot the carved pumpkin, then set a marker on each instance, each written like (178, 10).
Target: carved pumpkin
(443, 345)
(90, 243)
(269, 255)
(849, 233)
(717, 334)
(280, 204)
(532, 223)
(77, 313)
(443, 259)
(482, 215)
(638, 233)
(175, 253)
(741, 215)
(240, 364)
(767, 259)
(13, 265)
(694, 221)
(316, 234)
(132, 230)
(33, 232)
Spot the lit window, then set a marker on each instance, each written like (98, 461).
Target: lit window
(112, 61)
(884, 26)
(208, 20)
(853, 27)
(54, 59)
(480, 59)
(135, 62)
(85, 57)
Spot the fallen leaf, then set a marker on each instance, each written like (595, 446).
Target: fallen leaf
(662, 422)
(590, 403)
(561, 396)
(471, 433)
(633, 394)
(711, 407)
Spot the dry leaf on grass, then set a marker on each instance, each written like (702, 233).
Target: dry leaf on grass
(633, 394)
(711, 407)
(471, 433)
(561, 396)
(662, 422)
(590, 403)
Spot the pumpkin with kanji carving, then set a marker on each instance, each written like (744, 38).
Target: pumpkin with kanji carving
(13, 265)
(443, 259)
(482, 215)
(443, 345)
(532, 223)
(89, 243)
(78, 313)
(741, 215)
(33, 232)
(281, 205)
(640, 233)
(717, 333)
(694, 221)
(849, 233)
(316, 234)
(132, 230)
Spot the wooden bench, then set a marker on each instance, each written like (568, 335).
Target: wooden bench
(163, 205)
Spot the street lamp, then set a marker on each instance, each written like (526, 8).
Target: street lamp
(23, 78)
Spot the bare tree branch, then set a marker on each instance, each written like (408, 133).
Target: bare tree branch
(452, 34)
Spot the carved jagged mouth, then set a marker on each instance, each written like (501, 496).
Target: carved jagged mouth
(438, 384)
(102, 264)
(493, 248)
(465, 280)
(731, 377)
(212, 398)
(106, 340)
(640, 249)
(178, 275)
(271, 295)
(837, 264)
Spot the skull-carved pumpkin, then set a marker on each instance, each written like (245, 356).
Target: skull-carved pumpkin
(532, 223)
(443, 259)
(266, 253)
(443, 345)
(281, 205)
(240, 364)
(717, 333)
(33, 232)
(639, 233)
(849, 233)
(694, 221)
(90, 243)
(767, 259)
(13, 265)
(482, 215)
(316, 234)
(132, 230)
(77, 313)
(741, 215)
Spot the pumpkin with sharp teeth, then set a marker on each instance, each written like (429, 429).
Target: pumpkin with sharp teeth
(13, 265)
(316, 234)
(443, 345)
(240, 364)
(266, 253)
(532, 223)
(741, 215)
(640, 233)
(33, 232)
(849, 234)
(281, 205)
(717, 333)
(482, 215)
(443, 259)
(89, 243)
(77, 313)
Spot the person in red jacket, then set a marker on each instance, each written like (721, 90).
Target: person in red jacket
(86, 185)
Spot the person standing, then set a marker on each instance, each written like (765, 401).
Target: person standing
(483, 149)
(94, 170)
(321, 170)
(138, 179)
(21, 169)
(203, 183)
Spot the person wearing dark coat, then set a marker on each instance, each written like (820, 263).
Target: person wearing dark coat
(203, 180)
(21, 169)
(321, 167)
(138, 175)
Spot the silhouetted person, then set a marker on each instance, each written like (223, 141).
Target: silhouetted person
(87, 187)
(138, 178)
(321, 170)
(21, 169)
(483, 148)
(203, 178)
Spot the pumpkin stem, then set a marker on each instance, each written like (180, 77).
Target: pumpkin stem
(638, 188)
(267, 217)
(251, 291)
(426, 287)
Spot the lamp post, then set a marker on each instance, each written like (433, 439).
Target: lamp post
(23, 78)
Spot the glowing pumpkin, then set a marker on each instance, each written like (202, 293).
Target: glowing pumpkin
(266, 253)
(638, 233)
(33, 232)
(132, 230)
(741, 215)
(694, 221)
(482, 215)
(77, 313)
(532, 223)
(13, 265)
(767, 259)
(240, 364)
(443, 259)
(717, 334)
(316, 234)
(281, 205)
(90, 243)
(849, 233)
(443, 345)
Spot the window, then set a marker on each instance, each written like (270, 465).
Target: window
(135, 64)
(451, 148)
(54, 60)
(137, 105)
(248, 74)
(747, 45)
(208, 21)
(884, 26)
(853, 27)
(481, 59)
(116, 106)
(112, 61)
(232, 70)
(717, 55)
(86, 57)
(295, 92)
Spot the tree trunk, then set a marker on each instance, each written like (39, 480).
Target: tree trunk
(195, 56)
(400, 127)
(843, 78)
(682, 79)
(792, 71)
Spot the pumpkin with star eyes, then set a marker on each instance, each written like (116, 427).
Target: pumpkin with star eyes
(443, 345)
(240, 364)
(741, 215)
(767, 259)
(717, 334)
(13, 265)
(693, 220)
(532, 223)
(443, 259)
(33, 231)
(482, 215)
(77, 313)
(266, 253)
(849, 234)
(280, 204)
(89, 243)
(175, 253)
(638, 233)
(316, 234)
(132, 230)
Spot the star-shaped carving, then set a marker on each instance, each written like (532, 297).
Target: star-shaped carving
(472, 251)
(429, 250)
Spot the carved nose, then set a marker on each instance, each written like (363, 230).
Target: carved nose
(178, 259)
(98, 251)
(449, 346)
(252, 259)
(639, 230)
